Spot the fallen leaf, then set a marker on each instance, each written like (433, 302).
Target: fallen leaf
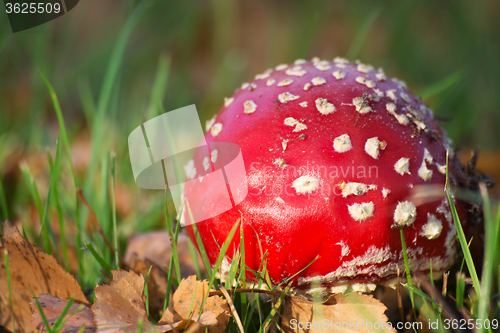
(388, 295)
(157, 282)
(186, 305)
(208, 318)
(340, 313)
(155, 246)
(32, 272)
(77, 316)
(119, 307)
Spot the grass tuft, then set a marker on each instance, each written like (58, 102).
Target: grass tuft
(65, 140)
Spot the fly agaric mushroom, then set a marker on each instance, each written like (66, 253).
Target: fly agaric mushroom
(338, 157)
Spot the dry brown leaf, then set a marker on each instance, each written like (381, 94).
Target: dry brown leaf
(351, 313)
(155, 246)
(32, 272)
(208, 318)
(186, 305)
(75, 319)
(120, 306)
(157, 282)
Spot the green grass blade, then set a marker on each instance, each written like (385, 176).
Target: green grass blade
(362, 33)
(490, 257)
(53, 179)
(259, 310)
(190, 311)
(140, 325)
(37, 199)
(104, 264)
(87, 99)
(264, 276)
(146, 291)
(497, 250)
(174, 257)
(30, 182)
(60, 119)
(3, 203)
(107, 90)
(407, 268)
(170, 281)
(42, 314)
(113, 200)
(79, 240)
(461, 238)
(65, 140)
(264, 327)
(497, 231)
(82, 329)
(62, 233)
(170, 142)
(442, 85)
(199, 242)
(173, 239)
(437, 310)
(25, 236)
(222, 253)
(159, 86)
(253, 304)
(231, 275)
(259, 277)
(294, 275)
(242, 277)
(45, 229)
(194, 256)
(59, 323)
(312, 27)
(265, 272)
(103, 205)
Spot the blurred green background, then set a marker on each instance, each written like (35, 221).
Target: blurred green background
(215, 45)
(197, 52)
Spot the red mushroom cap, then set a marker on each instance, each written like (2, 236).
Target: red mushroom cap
(338, 156)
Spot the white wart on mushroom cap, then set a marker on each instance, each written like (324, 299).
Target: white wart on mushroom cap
(334, 152)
